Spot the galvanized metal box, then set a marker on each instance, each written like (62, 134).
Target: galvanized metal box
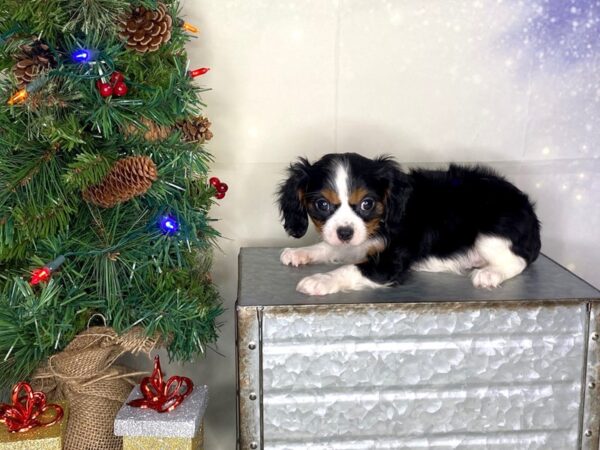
(434, 363)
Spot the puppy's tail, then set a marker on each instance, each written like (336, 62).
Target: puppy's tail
(528, 242)
(534, 243)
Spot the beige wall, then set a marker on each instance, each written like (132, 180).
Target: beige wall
(422, 80)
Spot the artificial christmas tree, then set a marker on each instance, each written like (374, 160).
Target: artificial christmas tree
(96, 219)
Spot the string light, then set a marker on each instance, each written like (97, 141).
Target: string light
(198, 72)
(81, 56)
(18, 97)
(188, 26)
(40, 275)
(168, 224)
(43, 274)
(21, 95)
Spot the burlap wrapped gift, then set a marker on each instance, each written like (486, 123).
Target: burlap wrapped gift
(85, 374)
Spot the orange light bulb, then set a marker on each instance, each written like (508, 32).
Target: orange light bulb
(189, 27)
(18, 97)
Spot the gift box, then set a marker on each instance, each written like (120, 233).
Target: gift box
(39, 438)
(179, 429)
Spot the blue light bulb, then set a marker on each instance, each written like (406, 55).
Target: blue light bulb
(81, 56)
(168, 224)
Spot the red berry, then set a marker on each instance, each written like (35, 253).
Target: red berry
(99, 83)
(120, 89)
(105, 89)
(222, 188)
(220, 195)
(215, 182)
(116, 77)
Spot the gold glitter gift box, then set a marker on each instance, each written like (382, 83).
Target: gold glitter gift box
(45, 438)
(180, 429)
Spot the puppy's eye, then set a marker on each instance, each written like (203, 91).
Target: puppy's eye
(322, 205)
(367, 204)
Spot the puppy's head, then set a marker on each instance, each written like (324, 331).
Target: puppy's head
(348, 197)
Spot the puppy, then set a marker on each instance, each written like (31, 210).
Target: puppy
(380, 222)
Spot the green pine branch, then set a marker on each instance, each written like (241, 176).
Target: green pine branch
(64, 138)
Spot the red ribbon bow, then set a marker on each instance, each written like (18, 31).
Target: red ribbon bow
(161, 396)
(25, 411)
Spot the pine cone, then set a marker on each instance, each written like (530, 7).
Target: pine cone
(128, 178)
(151, 130)
(145, 30)
(196, 129)
(32, 60)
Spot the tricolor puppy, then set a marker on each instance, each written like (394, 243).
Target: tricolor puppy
(380, 222)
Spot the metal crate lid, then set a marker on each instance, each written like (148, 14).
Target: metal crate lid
(263, 280)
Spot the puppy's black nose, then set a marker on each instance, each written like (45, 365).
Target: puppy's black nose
(345, 233)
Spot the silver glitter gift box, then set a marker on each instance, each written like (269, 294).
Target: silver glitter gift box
(434, 363)
(146, 429)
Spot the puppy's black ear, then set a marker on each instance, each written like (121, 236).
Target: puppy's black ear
(291, 196)
(397, 188)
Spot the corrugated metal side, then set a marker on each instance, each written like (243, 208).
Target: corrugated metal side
(423, 376)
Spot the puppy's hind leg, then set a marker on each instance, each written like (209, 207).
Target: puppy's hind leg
(461, 263)
(500, 262)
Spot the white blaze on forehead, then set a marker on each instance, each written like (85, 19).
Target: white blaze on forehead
(344, 216)
(341, 182)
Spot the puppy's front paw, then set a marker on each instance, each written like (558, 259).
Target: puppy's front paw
(487, 278)
(319, 284)
(295, 257)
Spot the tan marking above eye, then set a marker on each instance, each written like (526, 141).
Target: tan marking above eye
(331, 196)
(357, 195)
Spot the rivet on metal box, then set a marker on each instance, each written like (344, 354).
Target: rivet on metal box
(435, 363)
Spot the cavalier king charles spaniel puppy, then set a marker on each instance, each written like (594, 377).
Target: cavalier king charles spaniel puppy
(380, 222)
